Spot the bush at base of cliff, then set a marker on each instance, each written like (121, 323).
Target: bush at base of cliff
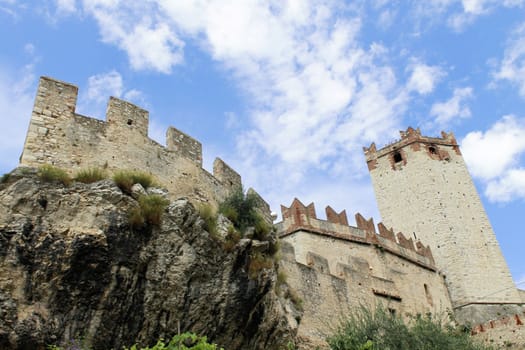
(380, 329)
(185, 341)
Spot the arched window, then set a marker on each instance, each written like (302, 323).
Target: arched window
(397, 157)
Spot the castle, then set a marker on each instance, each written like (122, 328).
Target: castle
(61, 137)
(443, 254)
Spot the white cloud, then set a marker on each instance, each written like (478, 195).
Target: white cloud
(103, 85)
(137, 29)
(100, 87)
(494, 157)
(66, 6)
(507, 187)
(455, 107)
(512, 67)
(458, 14)
(317, 94)
(16, 101)
(424, 77)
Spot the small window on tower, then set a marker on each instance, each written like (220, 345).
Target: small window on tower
(397, 157)
(432, 150)
(130, 121)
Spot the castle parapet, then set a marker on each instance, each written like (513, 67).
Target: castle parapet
(299, 217)
(184, 144)
(123, 117)
(412, 138)
(59, 136)
(226, 175)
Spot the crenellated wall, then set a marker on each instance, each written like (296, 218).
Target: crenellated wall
(59, 136)
(299, 217)
(335, 268)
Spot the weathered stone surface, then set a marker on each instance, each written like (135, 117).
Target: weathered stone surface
(137, 190)
(71, 267)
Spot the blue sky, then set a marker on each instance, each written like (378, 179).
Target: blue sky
(288, 92)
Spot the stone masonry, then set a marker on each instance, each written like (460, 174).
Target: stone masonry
(424, 189)
(335, 268)
(59, 136)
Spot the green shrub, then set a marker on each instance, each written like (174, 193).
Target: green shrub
(125, 179)
(90, 175)
(72, 344)
(152, 206)
(382, 329)
(150, 210)
(50, 173)
(5, 178)
(262, 229)
(240, 209)
(185, 341)
(135, 218)
(209, 217)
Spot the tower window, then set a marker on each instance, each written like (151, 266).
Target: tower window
(397, 157)
(428, 295)
(130, 121)
(432, 150)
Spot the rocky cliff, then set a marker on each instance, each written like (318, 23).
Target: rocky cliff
(72, 267)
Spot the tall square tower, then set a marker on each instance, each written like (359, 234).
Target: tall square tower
(423, 188)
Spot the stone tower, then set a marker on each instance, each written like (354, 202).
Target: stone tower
(423, 188)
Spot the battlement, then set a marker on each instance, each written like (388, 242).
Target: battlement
(58, 135)
(435, 147)
(336, 268)
(299, 217)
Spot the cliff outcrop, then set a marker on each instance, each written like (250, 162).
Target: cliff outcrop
(72, 267)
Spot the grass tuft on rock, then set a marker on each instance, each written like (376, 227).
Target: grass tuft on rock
(209, 217)
(259, 262)
(49, 173)
(149, 212)
(90, 175)
(125, 179)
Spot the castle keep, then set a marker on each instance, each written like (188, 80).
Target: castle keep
(59, 136)
(441, 206)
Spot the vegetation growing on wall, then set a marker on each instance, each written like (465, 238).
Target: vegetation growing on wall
(381, 329)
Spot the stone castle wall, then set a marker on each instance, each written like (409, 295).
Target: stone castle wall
(423, 188)
(336, 268)
(59, 136)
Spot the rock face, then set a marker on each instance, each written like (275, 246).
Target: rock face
(71, 267)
